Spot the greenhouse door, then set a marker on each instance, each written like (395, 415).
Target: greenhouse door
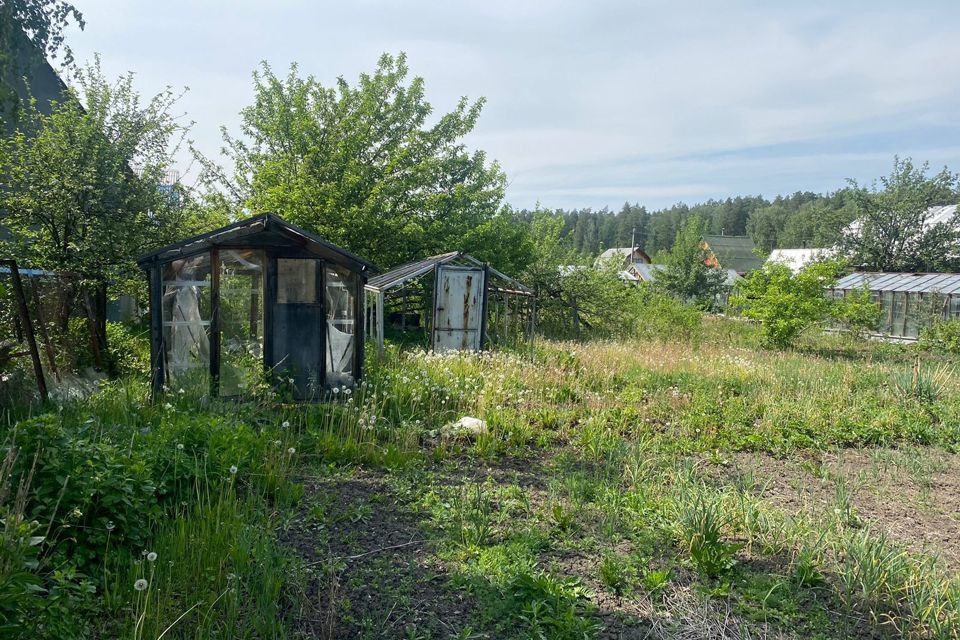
(298, 322)
(458, 313)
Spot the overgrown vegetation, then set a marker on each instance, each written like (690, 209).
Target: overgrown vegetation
(618, 497)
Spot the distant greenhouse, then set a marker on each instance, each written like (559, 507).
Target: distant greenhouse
(909, 301)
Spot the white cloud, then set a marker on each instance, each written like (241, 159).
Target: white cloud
(578, 92)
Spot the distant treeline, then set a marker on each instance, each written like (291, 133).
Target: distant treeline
(804, 219)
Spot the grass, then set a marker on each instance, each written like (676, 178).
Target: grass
(600, 497)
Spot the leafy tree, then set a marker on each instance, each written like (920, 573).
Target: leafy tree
(893, 230)
(819, 223)
(785, 303)
(42, 20)
(856, 313)
(687, 274)
(30, 30)
(82, 185)
(360, 165)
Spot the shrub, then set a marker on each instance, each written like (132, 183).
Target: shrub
(128, 349)
(941, 337)
(86, 487)
(856, 313)
(666, 317)
(786, 304)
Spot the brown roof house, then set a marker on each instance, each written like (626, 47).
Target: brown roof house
(732, 252)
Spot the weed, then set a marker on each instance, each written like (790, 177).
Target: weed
(700, 523)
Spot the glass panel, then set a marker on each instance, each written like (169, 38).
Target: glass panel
(296, 281)
(955, 306)
(341, 287)
(899, 302)
(241, 320)
(886, 324)
(914, 310)
(186, 321)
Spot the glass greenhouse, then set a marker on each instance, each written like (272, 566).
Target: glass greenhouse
(258, 295)
(909, 301)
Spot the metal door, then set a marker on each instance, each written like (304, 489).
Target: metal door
(458, 308)
(298, 323)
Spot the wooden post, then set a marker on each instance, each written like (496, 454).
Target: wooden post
(94, 331)
(484, 301)
(28, 327)
(533, 323)
(158, 374)
(214, 323)
(48, 347)
(380, 323)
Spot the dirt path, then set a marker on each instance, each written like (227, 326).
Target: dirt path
(371, 569)
(370, 572)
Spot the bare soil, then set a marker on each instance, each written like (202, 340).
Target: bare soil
(370, 571)
(912, 495)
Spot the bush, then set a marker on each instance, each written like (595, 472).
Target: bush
(666, 317)
(857, 313)
(786, 304)
(128, 349)
(87, 488)
(942, 337)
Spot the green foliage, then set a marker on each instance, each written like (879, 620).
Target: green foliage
(616, 573)
(30, 31)
(128, 349)
(943, 336)
(857, 313)
(922, 383)
(127, 352)
(893, 231)
(73, 203)
(666, 317)
(701, 521)
(359, 165)
(84, 487)
(688, 275)
(550, 607)
(786, 304)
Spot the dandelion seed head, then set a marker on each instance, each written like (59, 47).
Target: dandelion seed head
(285, 424)
(140, 585)
(152, 556)
(291, 451)
(233, 469)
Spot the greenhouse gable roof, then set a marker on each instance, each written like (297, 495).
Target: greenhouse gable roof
(944, 283)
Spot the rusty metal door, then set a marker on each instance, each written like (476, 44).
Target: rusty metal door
(458, 312)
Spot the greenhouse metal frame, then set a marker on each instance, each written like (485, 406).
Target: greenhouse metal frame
(909, 302)
(260, 295)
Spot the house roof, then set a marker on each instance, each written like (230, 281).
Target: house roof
(934, 216)
(621, 253)
(410, 271)
(797, 259)
(30, 76)
(734, 252)
(944, 283)
(647, 272)
(264, 230)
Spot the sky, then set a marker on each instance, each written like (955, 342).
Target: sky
(591, 103)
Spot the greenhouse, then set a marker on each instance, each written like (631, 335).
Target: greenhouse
(260, 295)
(454, 301)
(909, 301)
